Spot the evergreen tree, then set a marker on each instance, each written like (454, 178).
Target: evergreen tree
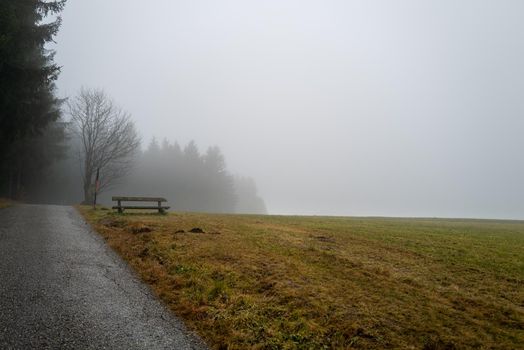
(27, 75)
(191, 181)
(248, 200)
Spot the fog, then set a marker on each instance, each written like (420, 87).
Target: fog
(394, 108)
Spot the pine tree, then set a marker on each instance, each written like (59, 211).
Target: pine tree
(27, 75)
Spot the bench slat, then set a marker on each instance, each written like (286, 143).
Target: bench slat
(139, 207)
(139, 199)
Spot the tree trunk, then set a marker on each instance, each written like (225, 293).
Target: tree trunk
(88, 195)
(88, 198)
(10, 193)
(19, 193)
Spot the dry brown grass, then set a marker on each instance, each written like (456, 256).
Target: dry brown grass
(274, 282)
(4, 203)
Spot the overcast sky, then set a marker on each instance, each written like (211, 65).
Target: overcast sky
(396, 108)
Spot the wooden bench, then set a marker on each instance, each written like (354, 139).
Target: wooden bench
(161, 209)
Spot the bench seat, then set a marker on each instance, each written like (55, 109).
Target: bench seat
(139, 207)
(161, 209)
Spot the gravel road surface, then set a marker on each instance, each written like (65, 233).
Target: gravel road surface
(61, 287)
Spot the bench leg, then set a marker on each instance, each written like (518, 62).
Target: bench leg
(120, 210)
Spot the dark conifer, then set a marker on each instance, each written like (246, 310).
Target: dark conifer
(27, 76)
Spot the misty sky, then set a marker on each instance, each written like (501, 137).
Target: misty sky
(397, 108)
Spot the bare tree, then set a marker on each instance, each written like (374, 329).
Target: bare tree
(107, 136)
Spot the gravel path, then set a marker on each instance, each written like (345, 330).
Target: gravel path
(61, 287)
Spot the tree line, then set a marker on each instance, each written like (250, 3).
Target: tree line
(191, 180)
(100, 139)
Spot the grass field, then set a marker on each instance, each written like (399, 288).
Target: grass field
(277, 282)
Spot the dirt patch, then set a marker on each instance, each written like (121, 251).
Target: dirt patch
(325, 239)
(139, 228)
(196, 230)
(112, 222)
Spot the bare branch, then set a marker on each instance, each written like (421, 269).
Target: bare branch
(108, 138)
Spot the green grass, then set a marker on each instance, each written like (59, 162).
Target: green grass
(282, 282)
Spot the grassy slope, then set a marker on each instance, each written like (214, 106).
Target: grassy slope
(313, 282)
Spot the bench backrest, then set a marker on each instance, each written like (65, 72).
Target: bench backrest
(139, 199)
